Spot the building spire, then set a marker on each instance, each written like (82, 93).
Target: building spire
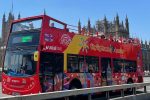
(12, 7)
(127, 24)
(105, 24)
(4, 19)
(19, 16)
(3, 28)
(79, 27)
(117, 19)
(89, 26)
(123, 25)
(10, 16)
(117, 23)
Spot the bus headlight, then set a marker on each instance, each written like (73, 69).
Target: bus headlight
(24, 81)
(31, 85)
(4, 81)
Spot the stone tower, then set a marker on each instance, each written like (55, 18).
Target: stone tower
(6, 25)
(89, 26)
(79, 27)
(117, 24)
(19, 16)
(105, 25)
(4, 28)
(127, 25)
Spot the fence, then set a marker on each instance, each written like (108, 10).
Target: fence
(89, 91)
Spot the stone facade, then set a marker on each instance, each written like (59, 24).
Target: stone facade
(5, 32)
(0, 52)
(146, 55)
(108, 28)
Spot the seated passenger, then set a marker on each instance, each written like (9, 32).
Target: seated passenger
(91, 69)
(73, 68)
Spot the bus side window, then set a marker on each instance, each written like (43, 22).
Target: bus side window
(130, 66)
(80, 63)
(93, 64)
(83, 65)
(117, 65)
(72, 63)
(106, 66)
(58, 63)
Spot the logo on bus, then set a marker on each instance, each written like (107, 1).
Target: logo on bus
(55, 48)
(84, 45)
(48, 37)
(65, 39)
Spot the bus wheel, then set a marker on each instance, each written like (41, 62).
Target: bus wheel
(75, 84)
(130, 90)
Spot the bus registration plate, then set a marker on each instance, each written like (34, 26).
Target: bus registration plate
(15, 93)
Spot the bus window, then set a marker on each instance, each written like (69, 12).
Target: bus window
(93, 63)
(19, 64)
(80, 63)
(72, 63)
(118, 65)
(27, 25)
(105, 63)
(130, 66)
(58, 63)
(121, 65)
(106, 71)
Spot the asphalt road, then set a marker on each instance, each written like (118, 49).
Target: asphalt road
(146, 79)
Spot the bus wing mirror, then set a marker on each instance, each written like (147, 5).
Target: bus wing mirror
(36, 56)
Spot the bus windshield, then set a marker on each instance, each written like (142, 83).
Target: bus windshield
(24, 38)
(27, 25)
(19, 63)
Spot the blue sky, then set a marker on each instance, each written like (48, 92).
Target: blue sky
(70, 11)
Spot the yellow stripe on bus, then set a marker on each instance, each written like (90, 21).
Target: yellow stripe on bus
(74, 47)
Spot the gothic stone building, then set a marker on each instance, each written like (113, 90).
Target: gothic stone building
(108, 28)
(146, 55)
(0, 52)
(5, 31)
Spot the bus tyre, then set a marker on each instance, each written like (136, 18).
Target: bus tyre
(75, 85)
(130, 90)
(75, 97)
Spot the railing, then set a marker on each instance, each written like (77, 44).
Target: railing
(0, 74)
(89, 91)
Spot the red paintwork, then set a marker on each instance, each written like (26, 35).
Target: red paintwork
(20, 85)
(130, 52)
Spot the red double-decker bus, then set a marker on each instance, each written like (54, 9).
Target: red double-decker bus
(42, 55)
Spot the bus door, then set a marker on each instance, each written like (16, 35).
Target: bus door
(51, 69)
(106, 73)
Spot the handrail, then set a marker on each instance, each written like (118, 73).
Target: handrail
(89, 91)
